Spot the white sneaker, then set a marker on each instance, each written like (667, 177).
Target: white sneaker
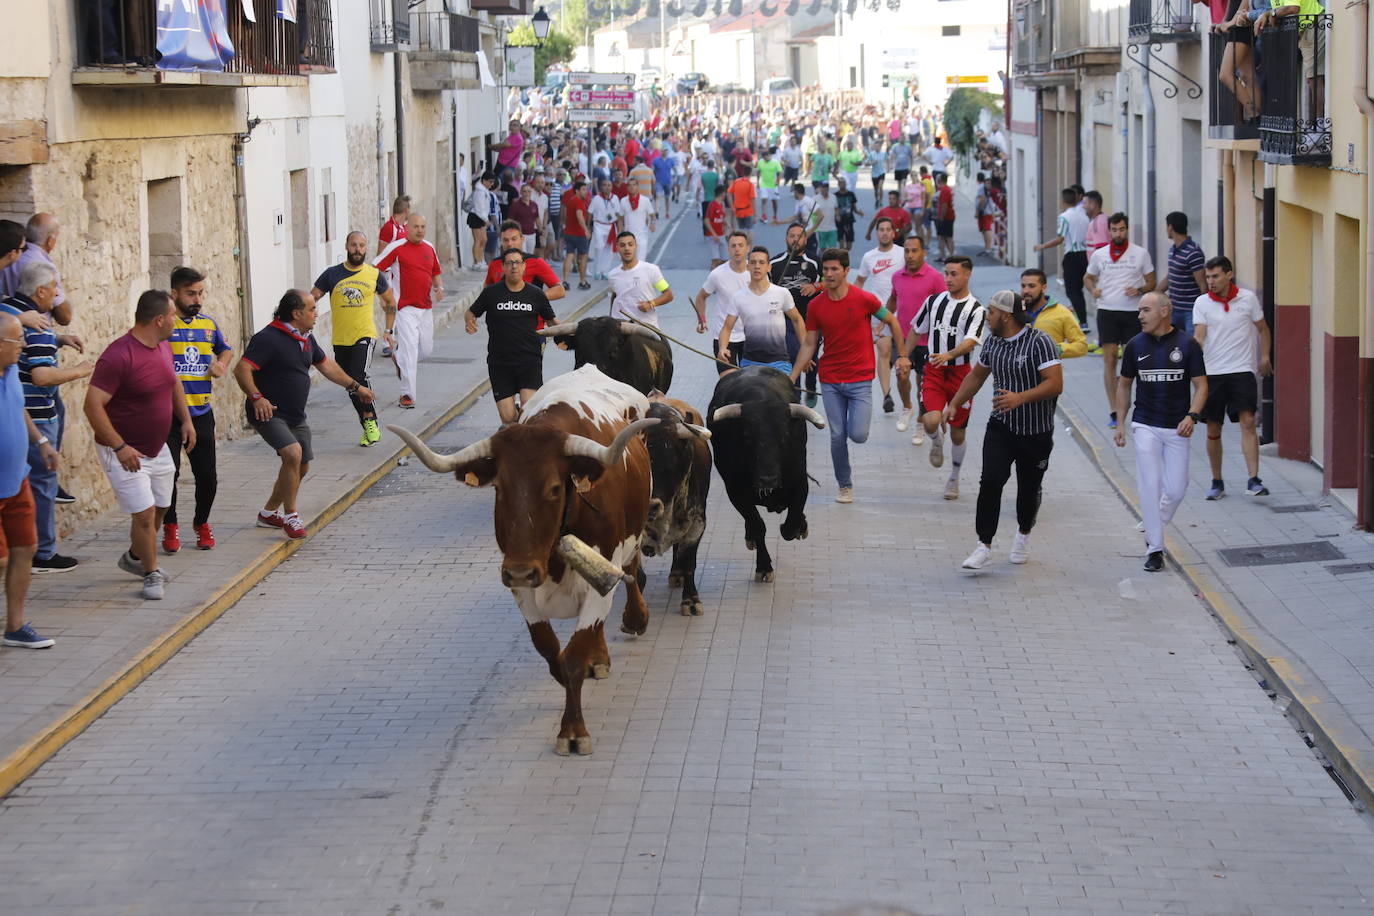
(981, 556)
(846, 495)
(905, 422)
(1140, 525)
(1018, 548)
(918, 439)
(937, 451)
(952, 488)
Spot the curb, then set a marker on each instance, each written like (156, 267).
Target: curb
(15, 768)
(1334, 736)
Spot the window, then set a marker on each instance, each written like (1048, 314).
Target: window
(949, 31)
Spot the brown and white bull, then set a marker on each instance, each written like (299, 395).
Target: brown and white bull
(574, 464)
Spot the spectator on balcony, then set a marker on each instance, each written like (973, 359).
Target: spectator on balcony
(1308, 13)
(1237, 68)
(1185, 279)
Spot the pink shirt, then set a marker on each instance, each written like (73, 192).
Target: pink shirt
(912, 290)
(1097, 234)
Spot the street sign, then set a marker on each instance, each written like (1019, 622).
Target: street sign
(965, 80)
(602, 116)
(601, 96)
(586, 78)
(901, 77)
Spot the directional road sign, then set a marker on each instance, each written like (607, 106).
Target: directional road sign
(603, 116)
(585, 78)
(601, 96)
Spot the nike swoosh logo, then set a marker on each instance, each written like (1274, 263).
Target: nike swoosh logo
(1141, 359)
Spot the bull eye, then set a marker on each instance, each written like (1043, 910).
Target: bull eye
(556, 491)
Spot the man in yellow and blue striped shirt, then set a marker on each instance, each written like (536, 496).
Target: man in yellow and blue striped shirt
(199, 355)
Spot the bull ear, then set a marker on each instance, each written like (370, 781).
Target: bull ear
(585, 472)
(479, 473)
(655, 395)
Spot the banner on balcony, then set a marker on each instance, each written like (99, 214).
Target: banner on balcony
(286, 9)
(193, 35)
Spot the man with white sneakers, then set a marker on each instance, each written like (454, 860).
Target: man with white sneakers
(876, 269)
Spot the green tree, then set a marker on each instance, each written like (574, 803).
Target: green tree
(558, 48)
(961, 116)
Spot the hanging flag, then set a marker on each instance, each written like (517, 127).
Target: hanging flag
(193, 35)
(248, 12)
(286, 9)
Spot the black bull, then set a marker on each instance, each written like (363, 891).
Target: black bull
(623, 350)
(681, 463)
(758, 434)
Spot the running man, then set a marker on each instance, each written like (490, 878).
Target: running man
(713, 227)
(916, 282)
(798, 273)
(954, 321)
(515, 351)
(1117, 277)
(876, 270)
(1229, 324)
(763, 312)
(769, 170)
(1027, 379)
(715, 294)
(418, 290)
(537, 270)
(606, 213)
(637, 287)
(842, 315)
(1166, 361)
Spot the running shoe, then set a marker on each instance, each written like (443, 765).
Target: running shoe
(1111, 420)
(371, 434)
(293, 527)
(905, 422)
(152, 585)
(386, 351)
(937, 451)
(584, 285)
(1154, 562)
(846, 495)
(810, 400)
(171, 538)
(407, 402)
(130, 564)
(1094, 347)
(205, 538)
(918, 439)
(981, 556)
(65, 498)
(1256, 487)
(888, 405)
(26, 638)
(271, 519)
(54, 564)
(1019, 554)
(1218, 490)
(952, 488)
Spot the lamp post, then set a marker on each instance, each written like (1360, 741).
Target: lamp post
(540, 22)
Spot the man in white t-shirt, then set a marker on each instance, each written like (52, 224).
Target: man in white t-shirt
(761, 310)
(939, 156)
(721, 284)
(823, 218)
(1229, 324)
(637, 287)
(637, 214)
(876, 270)
(1119, 273)
(606, 213)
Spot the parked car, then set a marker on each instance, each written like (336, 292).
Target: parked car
(692, 82)
(778, 85)
(731, 89)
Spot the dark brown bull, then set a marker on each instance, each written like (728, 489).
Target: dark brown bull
(574, 464)
(681, 462)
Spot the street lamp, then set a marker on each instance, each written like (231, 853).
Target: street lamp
(540, 21)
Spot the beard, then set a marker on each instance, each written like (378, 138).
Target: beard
(356, 260)
(190, 311)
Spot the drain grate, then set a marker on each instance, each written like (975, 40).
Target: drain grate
(1277, 554)
(1297, 507)
(1345, 569)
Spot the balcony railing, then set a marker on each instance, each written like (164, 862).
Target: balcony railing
(502, 7)
(122, 44)
(390, 25)
(1162, 20)
(1294, 127)
(445, 32)
(1034, 37)
(1232, 90)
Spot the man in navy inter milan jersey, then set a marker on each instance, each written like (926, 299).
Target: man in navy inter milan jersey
(1166, 362)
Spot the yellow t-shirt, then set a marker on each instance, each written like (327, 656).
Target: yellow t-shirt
(351, 297)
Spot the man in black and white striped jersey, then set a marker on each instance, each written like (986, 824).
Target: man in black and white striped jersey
(1027, 380)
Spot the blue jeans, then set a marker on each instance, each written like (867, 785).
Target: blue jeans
(43, 482)
(848, 409)
(1183, 320)
(781, 365)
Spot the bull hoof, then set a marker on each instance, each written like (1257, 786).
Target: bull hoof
(798, 534)
(601, 670)
(675, 580)
(629, 632)
(692, 607)
(562, 747)
(582, 747)
(748, 544)
(764, 576)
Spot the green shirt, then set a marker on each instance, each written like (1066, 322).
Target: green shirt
(821, 163)
(768, 173)
(709, 180)
(850, 160)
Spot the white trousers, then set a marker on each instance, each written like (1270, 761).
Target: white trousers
(1161, 470)
(603, 252)
(414, 341)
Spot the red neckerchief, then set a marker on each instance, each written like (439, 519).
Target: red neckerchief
(1226, 299)
(634, 201)
(302, 339)
(1115, 252)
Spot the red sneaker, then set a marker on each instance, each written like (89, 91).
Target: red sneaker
(269, 520)
(406, 401)
(293, 527)
(205, 538)
(171, 538)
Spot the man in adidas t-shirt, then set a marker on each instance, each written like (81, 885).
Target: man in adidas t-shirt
(763, 310)
(637, 287)
(875, 276)
(1118, 275)
(515, 354)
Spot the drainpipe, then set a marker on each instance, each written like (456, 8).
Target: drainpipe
(1124, 120)
(1151, 205)
(1221, 202)
(382, 211)
(400, 125)
(1229, 196)
(1268, 279)
(1365, 508)
(453, 180)
(246, 324)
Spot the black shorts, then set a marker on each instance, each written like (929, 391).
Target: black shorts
(279, 434)
(919, 355)
(1116, 327)
(510, 377)
(845, 229)
(475, 221)
(900, 174)
(790, 172)
(1230, 396)
(721, 368)
(944, 228)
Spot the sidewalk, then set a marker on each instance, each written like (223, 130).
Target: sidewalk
(1294, 587)
(109, 638)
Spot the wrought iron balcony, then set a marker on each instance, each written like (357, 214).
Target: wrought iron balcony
(1294, 127)
(1162, 20)
(390, 25)
(443, 52)
(1232, 91)
(1033, 37)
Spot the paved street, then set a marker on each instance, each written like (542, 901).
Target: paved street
(371, 732)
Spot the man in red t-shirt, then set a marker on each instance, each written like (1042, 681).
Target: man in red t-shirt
(538, 273)
(414, 321)
(133, 396)
(742, 196)
(841, 314)
(393, 229)
(901, 220)
(632, 149)
(525, 212)
(944, 215)
(713, 227)
(620, 187)
(577, 229)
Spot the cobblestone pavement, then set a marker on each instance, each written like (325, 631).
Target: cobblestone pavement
(371, 732)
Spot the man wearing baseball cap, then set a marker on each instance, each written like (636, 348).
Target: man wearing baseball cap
(1027, 380)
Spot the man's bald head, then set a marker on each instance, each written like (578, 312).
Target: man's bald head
(415, 227)
(42, 230)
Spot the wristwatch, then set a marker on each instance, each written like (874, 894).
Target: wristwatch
(255, 396)
(1194, 416)
(42, 440)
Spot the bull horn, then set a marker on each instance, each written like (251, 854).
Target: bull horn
(442, 464)
(728, 412)
(807, 414)
(690, 431)
(565, 329)
(629, 327)
(581, 446)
